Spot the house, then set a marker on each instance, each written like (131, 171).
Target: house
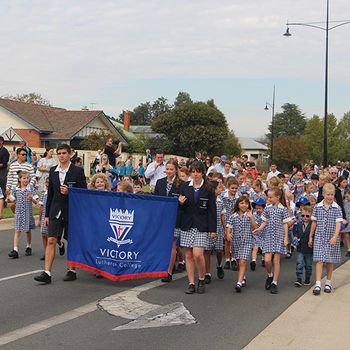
(253, 149)
(46, 127)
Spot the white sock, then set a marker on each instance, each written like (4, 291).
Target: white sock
(228, 260)
(318, 284)
(48, 272)
(239, 284)
(270, 274)
(29, 245)
(16, 249)
(274, 282)
(254, 260)
(208, 274)
(328, 282)
(72, 270)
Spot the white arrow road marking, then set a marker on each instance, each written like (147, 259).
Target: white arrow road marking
(164, 316)
(145, 315)
(141, 311)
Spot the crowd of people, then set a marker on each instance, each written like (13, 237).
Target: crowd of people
(227, 206)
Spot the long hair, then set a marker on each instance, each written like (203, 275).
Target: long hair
(279, 192)
(199, 166)
(176, 165)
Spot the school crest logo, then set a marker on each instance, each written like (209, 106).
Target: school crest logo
(121, 223)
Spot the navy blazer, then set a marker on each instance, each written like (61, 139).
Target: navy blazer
(57, 202)
(201, 215)
(160, 190)
(304, 236)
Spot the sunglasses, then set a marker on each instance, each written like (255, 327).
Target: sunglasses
(305, 216)
(23, 154)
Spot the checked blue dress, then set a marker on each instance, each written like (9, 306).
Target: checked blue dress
(242, 238)
(326, 220)
(276, 217)
(24, 219)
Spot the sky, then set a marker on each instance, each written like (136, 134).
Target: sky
(120, 53)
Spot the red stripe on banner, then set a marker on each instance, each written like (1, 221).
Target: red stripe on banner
(114, 278)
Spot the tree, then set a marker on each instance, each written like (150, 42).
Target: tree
(193, 127)
(96, 140)
(290, 122)
(182, 98)
(338, 142)
(232, 147)
(288, 150)
(160, 106)
(31, 97)
(312, 138)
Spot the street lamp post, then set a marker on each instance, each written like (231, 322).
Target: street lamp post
(272, 122)
(317, 25)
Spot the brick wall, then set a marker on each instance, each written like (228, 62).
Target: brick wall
(32, 137)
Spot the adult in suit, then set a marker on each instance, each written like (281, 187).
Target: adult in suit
(170, 186)
(61, 177)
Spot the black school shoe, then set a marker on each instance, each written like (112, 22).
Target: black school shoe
(234, 266)
(191, 289)
(238, 288)
(13, 254)
(220, 272)
(207, 279)
(227, 265)
(348, 254)
(201, 287)
(274, 288)
(307, 281)
(167, 279)
(70, 276)
(43, 278)
(268, 283)
(62, 249)
(28, 251)
(252, 265)
(298, 283)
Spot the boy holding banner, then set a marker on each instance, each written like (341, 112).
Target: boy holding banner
(61, 177)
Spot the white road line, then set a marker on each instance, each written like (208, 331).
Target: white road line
(19, 275)
(46, 324)
(70, 315)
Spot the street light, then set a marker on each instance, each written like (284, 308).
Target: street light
(272, 122)
(317, 25)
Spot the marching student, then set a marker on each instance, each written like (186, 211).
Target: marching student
(346, 230)
(304, 256)
(198, 223)
(125, 186)
(24, 195)
(184, 174)
(1, 202)
(100, 182)
(169, 186)
(138, 187)
(229, 199)
(216, 243)
(324, 236)
(258, 240)
(258, 191)
(64, 175)
(41, 223)
(239, 230)
(275, 218)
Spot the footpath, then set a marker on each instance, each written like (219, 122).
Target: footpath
(312, 322)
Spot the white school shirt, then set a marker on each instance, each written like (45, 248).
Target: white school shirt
(62, 176)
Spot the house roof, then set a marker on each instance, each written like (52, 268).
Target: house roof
(248, 143)
(58, 123)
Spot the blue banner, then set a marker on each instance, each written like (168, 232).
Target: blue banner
(120, 235)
